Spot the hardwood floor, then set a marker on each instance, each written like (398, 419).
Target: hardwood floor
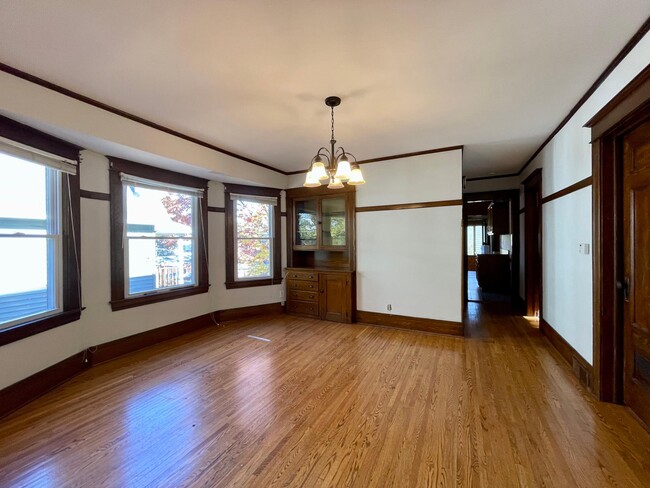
(326, 404)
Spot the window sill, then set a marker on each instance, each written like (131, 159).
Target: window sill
(250, 283)
(22, 331)
(124, 303)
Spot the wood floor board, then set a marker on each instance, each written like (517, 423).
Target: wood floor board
(327, 404)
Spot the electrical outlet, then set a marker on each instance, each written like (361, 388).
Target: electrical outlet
(389, 307)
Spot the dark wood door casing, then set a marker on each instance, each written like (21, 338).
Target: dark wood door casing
(533, 243)
(635, 283)
(619, 117)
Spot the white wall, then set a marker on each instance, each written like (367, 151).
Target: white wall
(566, 222)
(98, 324)
(411, 259)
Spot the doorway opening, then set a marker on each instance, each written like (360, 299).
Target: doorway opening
(491, 247)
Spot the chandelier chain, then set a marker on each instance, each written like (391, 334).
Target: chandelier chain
(332, 109)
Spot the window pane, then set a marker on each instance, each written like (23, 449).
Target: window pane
(156, 264)
(253, 219)
(253, 258)
(23, 196)
(158, 212)
(26, 287)
(470, 241)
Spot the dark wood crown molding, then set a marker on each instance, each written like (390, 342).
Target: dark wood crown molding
(396, 156)
(636, 38)
(140, 120)
(492, 177)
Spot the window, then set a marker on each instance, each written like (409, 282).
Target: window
(475, 237)
(252, 236)
(158, 234)
(39, 229)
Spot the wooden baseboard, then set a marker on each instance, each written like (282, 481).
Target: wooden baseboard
(247, 312)
(15, 396)
(581, 368)
(411, 323)
(125, 345)
(19, 394)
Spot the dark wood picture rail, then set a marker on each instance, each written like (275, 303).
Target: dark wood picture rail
(217, 209)
(410, 206)
(95, 195)
(568, 190)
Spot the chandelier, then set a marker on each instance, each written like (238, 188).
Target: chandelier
(332, 166)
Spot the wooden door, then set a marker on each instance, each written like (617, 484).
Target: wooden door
(636, 282)
(335, 297)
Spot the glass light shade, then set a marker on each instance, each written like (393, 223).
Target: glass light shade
(335, 184)
(311, 181)
(318, 170)
(356, 178)
(343, 170)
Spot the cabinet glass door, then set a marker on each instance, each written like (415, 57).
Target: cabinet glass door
(333, 226)
(306, 222)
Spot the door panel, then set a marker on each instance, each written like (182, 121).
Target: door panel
(636, 282)
(334, 297)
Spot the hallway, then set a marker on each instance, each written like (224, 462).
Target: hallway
(327, 404)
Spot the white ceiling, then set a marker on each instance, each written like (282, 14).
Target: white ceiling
(251, 76)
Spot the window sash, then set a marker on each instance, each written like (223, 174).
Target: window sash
(53, 254)
(32, 155)
(130, 180)
(237, 238)
(162, 236)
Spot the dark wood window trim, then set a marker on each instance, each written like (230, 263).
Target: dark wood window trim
(119, 301)
(276, 279)
(71, 229)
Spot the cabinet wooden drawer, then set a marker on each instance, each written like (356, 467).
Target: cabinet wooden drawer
(305, 296)
(303, 308)
(302, 285)
(302, 275)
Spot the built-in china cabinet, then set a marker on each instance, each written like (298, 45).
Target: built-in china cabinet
(321, 281)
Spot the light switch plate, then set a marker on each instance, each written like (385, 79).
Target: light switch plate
(584, 249)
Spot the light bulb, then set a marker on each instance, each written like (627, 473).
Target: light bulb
(356, 178)
(343, 170)
(318, 170)
(335, 184)
(311, 181)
